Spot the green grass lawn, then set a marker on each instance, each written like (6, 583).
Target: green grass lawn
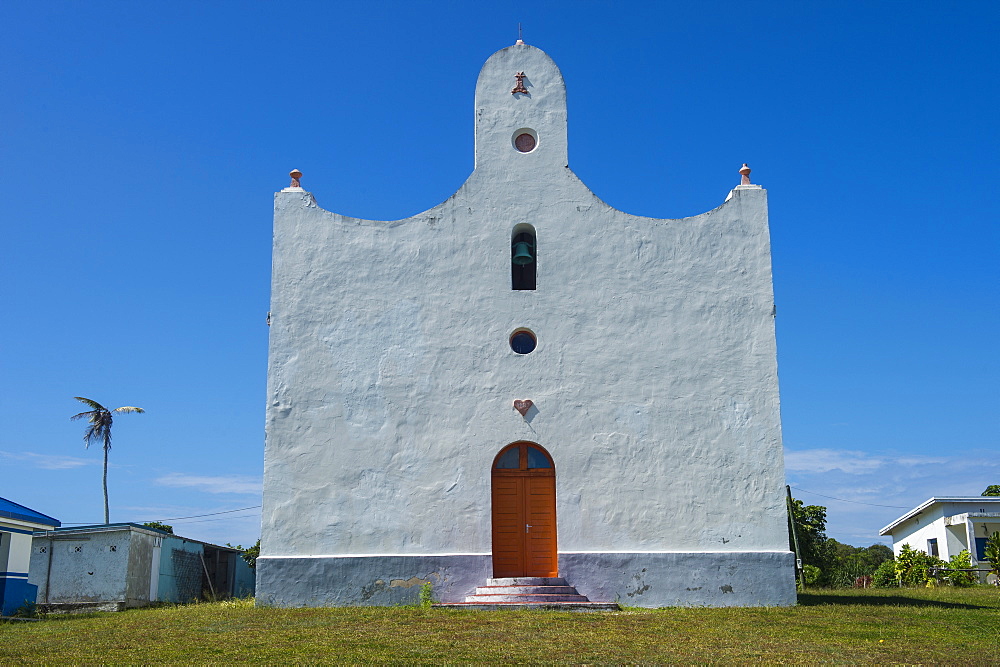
(912, 626)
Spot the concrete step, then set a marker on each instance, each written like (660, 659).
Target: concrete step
(527, 590)
(527, 581)
(529, 593)
(550, 606)
(513, 597)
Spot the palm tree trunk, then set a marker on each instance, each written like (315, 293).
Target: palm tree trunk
(106, 515)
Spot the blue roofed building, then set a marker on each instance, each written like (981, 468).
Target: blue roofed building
(17, 523)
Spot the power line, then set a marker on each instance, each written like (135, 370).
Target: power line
(228, 518)
(198, 516)
(856, 502)
(176, 518)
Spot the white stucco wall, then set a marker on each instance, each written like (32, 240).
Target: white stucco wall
(391, 381)
(955, 538)
(917, 530)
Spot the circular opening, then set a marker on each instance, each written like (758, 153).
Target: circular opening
(525, 143)
(525, 140)
(522, 341)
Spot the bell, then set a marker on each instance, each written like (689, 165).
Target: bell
(522, 253)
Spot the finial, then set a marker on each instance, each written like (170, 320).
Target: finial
(520, 35)
(296, 175)
(519, 88)
(745, 171)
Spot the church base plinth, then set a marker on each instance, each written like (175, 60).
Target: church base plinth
(673, 579)
(659, 579)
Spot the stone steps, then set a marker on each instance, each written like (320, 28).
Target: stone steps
(513, 606)
(527, 581)
(527, 590)
(529, 593)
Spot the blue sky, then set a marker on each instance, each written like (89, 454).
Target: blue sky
(140, 144)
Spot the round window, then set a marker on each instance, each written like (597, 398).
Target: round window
(525, 140)
(522, 341)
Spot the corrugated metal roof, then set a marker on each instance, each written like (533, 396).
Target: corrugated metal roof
(12, 510)
(110, 527)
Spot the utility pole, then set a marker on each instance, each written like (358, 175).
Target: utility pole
(795, 538)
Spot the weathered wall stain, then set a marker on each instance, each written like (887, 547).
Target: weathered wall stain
(372, 589)
(639, 586)
(408, 583)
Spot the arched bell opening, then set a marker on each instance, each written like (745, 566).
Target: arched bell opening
(523, 480)
(523, 257)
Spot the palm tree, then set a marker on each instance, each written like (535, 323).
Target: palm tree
(99, 430)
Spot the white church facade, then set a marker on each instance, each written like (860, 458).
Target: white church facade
(523, 382)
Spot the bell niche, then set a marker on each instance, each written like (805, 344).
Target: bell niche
(523, 257)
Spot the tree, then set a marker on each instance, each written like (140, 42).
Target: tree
(846, 563)
(99, 430)
(839, 564)
(159, 525)
(810, 523)
(992, 553)
(249, 554)
(992, 490)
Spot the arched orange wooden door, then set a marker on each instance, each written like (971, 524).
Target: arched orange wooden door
(524, 512)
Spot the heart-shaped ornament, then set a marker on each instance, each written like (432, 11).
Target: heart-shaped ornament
(523, 406)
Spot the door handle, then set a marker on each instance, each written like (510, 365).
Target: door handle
(526, 527)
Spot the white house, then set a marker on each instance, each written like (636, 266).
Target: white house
(17, 523)
(945, 526)
(523, 382)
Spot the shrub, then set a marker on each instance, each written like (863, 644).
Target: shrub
(992, 553)
(961, 560)
(811, 574)
(426, 594)
(885, 575)
(27, 610)
(913, 567)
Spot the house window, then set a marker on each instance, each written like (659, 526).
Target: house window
(523, 257)
(980, 548)
(932, 548)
